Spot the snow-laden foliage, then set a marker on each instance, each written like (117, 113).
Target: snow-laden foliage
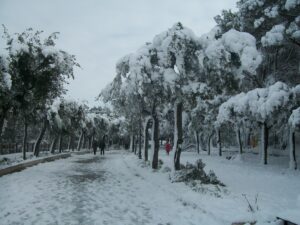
(5, 78)
(232, 45)
(35, 74)
(274, 22)
(227, 60)
(275, 25)
(72, 118)
(5, 91)
(259, 104)
(294, 119)
(291, 4)
(53, 115)
(274, 37)
(38, 69)
(232, 111)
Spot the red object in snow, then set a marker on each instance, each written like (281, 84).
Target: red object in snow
(168, 148)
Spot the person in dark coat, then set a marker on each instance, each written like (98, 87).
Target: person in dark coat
(94, 145)
(102, 146)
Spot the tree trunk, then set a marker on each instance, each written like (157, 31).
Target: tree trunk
(155, 141)
(135, 144)
(178, 134)
(92, 139)
(80, 141)
(16, 147)
(293, 162)
(24, 147)
(70, 142)
(131, 143)
(264, 143)
(140, 138)
(202, 142)
(53, 143)
(60, 139)
(146, 138)
(84, 141)
(1, 126)
(219, 141)
(36, 148)
(90, 143)
(197, 142)
(249, 140)
(208, 144)
(239, 141)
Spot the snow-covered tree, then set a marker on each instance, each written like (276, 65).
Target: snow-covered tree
(137, 91)
(67, 117)
(178, 55)
(226, 59)
(38, 72)
(227, 20)
(56, 123)
(230, 112)
(275, 24)
(5, 91)
(266, 106)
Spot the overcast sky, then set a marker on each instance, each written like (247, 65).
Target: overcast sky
(99, 32)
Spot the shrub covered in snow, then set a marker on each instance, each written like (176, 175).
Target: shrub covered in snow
(194, 172)
(166, 169)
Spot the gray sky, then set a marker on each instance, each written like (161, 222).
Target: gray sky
(99, 32)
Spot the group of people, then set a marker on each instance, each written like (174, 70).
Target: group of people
(100, 144)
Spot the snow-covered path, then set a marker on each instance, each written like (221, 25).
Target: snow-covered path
(87, 189)
(120, 189)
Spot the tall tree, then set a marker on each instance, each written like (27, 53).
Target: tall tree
(5, 92)
(38, 71)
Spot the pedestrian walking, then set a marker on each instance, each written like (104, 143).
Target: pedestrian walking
(168, 147)
(102, 145)
(94, 145)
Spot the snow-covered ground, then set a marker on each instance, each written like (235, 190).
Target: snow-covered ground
(8, 160)
(276, 187)
(120, 189)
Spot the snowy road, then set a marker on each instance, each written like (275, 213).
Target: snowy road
(87, 189)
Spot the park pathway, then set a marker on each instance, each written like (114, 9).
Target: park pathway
(88, 189)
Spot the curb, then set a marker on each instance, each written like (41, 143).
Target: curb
(22, 166)
(81, 152)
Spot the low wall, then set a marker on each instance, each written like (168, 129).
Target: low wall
(22, 166)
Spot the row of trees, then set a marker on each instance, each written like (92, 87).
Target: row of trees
(241, 76)
(33, 74)
(67, 118)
